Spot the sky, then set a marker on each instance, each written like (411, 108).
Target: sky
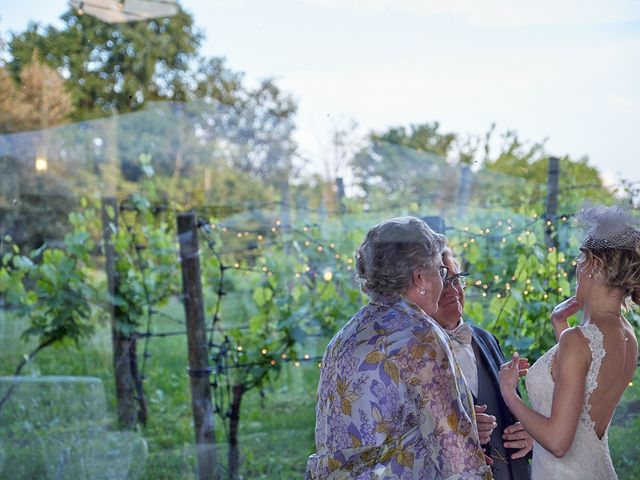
(567, 72)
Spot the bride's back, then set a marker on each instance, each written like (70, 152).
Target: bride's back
(616, 371)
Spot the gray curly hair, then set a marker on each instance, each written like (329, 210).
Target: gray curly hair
(392, 250)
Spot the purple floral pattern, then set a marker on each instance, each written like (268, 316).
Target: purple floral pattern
(392, 402)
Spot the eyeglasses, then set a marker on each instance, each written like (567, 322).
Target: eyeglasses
(456, 281)
(443, 271)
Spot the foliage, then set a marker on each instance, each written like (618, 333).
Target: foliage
(53, 289)
(121, 68)
(445, 170)
(114, 67)
(405, 166)
(515, 280)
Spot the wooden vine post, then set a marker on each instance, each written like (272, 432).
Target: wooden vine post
(120, 338)
(198, 348)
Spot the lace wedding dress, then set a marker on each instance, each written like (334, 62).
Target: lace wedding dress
(588, 457)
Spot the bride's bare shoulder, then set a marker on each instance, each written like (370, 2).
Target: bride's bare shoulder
(573, 344)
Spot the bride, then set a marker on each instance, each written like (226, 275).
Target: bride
(575, 387)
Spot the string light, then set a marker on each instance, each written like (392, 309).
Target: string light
(297, 364)
(239, 348)
(263, 351)
(307, 356)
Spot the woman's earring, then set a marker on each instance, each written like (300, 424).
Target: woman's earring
(422, 291)
(590, 275)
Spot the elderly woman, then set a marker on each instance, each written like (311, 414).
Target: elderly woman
(392, 402)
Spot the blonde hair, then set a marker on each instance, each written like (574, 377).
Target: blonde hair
(620, 269)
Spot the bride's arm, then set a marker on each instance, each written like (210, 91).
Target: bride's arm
(561, 314)
(554, 433)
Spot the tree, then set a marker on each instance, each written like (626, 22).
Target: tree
(433, 169)
(37, 101)
(121, 68)
(578, 180)
(114, 67)
(406, 165)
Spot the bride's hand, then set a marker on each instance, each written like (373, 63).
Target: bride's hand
(564, 310)
(510, 372)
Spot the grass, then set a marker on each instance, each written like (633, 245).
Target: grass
(276, 430)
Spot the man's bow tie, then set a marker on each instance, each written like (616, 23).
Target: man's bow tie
(461, 334)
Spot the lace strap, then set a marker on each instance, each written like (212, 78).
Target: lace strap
(596, 345)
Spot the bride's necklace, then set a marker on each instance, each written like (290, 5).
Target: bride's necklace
(617, 314)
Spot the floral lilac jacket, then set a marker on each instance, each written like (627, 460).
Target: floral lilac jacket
(392, 402)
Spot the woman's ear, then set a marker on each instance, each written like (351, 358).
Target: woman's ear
(594, 265)
(417, 277)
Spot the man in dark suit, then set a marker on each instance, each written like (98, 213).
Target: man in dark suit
(480, 357)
